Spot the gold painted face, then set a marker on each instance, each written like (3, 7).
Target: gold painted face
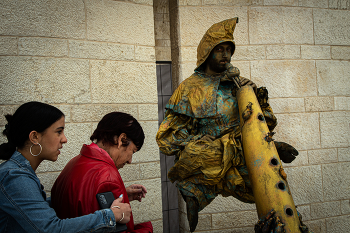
(219, 56)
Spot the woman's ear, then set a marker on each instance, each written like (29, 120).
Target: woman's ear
(34, 137)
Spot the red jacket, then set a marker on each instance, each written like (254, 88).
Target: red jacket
(91, 172)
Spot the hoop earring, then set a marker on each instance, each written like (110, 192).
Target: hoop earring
(30, 149)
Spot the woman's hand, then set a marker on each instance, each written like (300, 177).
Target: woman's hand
(121, 211)
(136, 192)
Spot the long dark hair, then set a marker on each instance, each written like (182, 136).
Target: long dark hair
(116, 123)
(28, 117)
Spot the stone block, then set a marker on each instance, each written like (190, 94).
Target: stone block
(148, 112)
(332, 78)
(315, 52)
(305, 184)
(336, 180)
(287, 105)
(150, 207)
(290, 78)
(48, 179)
(101, 50)
(130, 172)
(264, 20)
(325, 209)
(146, 2)
(4, 110)
(45, 47)
(227, 204)
(344, 154)
(345, 206)
(123, 82)
(162, 30)
(44, 79)
(336, 4)
(283, 52)
(323, 156)
(149, 151)
(243, 66)
(64, 19)
(334, 128)
(8, 46)
(314, 3)
(299, 129)
(161, 6)
(301, 160)
(89, 113)
(338, 224)
(341, 52)
(157, 226)
(163, 53)
(111, 21)
(233, 2)
(189, 2)
(186, 70)
(234, 219)
(304, 210)
(195, 21)
(204, 222)
(317, 226)
(342, 103)
(319, 104)
(256, 52)
(330, 27)
(163, 42)
(150, 170)
(188, 54)
(145, 54)
(281, 2)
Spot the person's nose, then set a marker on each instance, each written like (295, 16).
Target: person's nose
(225, 54)
(64, 139)
(129, 161)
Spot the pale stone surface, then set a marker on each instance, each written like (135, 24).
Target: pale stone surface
(287, 105)
(157, 226)
(66, 109)
(101, 50)
(162, 30)
(342, 103)
(317, 226)
(130, 172)
(345, 206)
(341, 52)
(149, 151)
(226, 204)
(150, 170)
(163, 53)
(333, 78)
(273, 25)
(336, 179)
(204, 17)
(319, 104)
(315, 52)
(325, 209)
(243, 66)
(188, 54)
(64, 19)
(285, 78)
(304, 210)
(123, 82)
(282, 52)
(305, 184)
(6, 109)
(48, 179)
(281, 2)
(314, 3)
(344, 154)
(329, 26)
(145, 54)
(301, 160)
(88, 113)
(338, 224)
(189, 2)
(148, 112)
(8, 46)
(299, 129)
(232, 2)
(249, 52)
(186, 70)
(151, 204)
(322, 156)
(161, 6)
(334, 128)
(234, 219)
(342, 4)
(111, 21)
(44, 79)
(204, 222)
(48, 47)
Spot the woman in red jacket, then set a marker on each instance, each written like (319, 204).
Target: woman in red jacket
(95, 170)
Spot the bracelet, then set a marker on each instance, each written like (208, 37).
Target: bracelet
(115, 207)
(121, 218)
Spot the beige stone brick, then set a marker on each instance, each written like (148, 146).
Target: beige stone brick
(162, 30)
(341, 103)
(147, 2)
(315, 52)
(186, 70)
(314, 3)
(88, 113)
(345, 206)
(149, 151)
(336, 179)
(300, 160)
(325, 209)
(163, 43)
(47, 179)
(227, 204)
(282, 51)
(204, 222)
(48, 47)
(189, 2)
(344, 154)
(334, 128)
(249, 53)
(4, 110)
(341, 52)
(316, 226)
(130, 172)
(318, 104)
(157, 225)
(148, 112)
(336, 4)
(233, 2)
(281, 2)
(265, 20)
(338, 224)
(161, 6)
(151, 204)
(64, 19)
(323, 156)
(285, 78)
(243, 66)
(8, 45)
(44, 79)
(101, 50)
(188, 54)
(111, 21)
(145, 54)
(287, 105)
(150, 170)
(195, 21)
(305, 212)
(234, 219)
(66, 111)
(123, 82)
(329, 26)
(163, 53)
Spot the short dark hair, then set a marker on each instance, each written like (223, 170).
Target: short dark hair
(28, 117)
(116, 123)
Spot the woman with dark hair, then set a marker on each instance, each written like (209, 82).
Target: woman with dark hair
(95, 170)
(35, 132)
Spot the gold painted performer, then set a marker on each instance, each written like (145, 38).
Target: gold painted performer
(202, 127)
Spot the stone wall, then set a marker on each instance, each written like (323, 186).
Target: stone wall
(300, 51)
(88, 58)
